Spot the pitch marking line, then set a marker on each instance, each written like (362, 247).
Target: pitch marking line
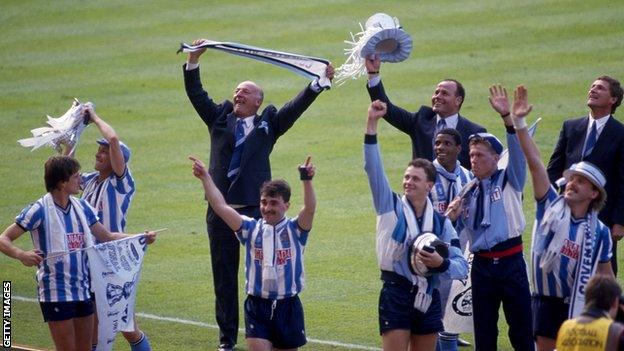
(212, 326)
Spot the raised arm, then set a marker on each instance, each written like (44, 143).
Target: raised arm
(214, 196)
(292, 110)
(203, 104)
(516, 168)
(28, 258)
(114, 150)
(521, 108)
(376, 110)
(398, 117)
(380, 187)
(373, 65)
(500, 103)
(193, 57)
(306, 215)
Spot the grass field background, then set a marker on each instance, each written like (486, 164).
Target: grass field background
(121, 55)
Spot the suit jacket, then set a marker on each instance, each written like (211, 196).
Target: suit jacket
(421, 125)
(255, 167)
(607, 155)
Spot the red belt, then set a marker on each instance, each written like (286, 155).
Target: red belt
(500, 254)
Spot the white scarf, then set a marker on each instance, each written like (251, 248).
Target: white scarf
(307, 66)
(453, 178)
(269, 271)
(585, 268)
(556, 220)
(56, 238)
(423, 298)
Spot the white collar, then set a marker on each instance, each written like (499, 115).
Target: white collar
(248, 121)
(451, 121)
(600, 120)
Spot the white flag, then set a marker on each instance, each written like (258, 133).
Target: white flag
(115, 272)
(458, 314)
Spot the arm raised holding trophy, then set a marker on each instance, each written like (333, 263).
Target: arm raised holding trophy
(384, 40)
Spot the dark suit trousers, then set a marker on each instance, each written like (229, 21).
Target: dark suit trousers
(503, 281)
(225, 258)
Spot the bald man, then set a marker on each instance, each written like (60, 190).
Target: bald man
(241, 140)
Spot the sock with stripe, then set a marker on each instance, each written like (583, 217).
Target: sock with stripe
(141, 345)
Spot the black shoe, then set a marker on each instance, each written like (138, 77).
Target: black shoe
(462, 343)
(225, 347)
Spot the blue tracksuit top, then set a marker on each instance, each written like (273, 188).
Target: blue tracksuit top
(503, 201)
(393, 240)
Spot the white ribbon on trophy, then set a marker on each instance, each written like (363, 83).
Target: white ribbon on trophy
(66, 129)
(382, 35)
(307, 66)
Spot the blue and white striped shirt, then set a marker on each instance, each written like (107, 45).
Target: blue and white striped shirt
(447, 186)
(283, 276)
(560, 281)
(111, 197)
(64, 278)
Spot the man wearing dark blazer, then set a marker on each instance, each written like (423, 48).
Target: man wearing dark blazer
(241, 141)
(599, 139)
(423, 125)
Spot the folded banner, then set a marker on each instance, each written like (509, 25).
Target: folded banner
(307, 66)
(458, 313)
(115, 272)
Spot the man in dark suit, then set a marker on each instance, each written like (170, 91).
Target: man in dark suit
(424, 124)
(241, 141)
(599, 139)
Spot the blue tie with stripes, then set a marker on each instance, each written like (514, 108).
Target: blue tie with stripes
(235, 162)
(591, 140)
(479, 210)
(441, 125)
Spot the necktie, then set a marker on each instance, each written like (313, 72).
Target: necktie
(479, 211)
(235, 162)
(441, 125)
(591, 140)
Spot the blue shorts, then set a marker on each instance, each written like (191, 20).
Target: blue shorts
(60, 311)
(396, 309)
(279, 321)
(549, 313)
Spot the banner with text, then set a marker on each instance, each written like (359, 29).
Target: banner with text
(115, 272)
